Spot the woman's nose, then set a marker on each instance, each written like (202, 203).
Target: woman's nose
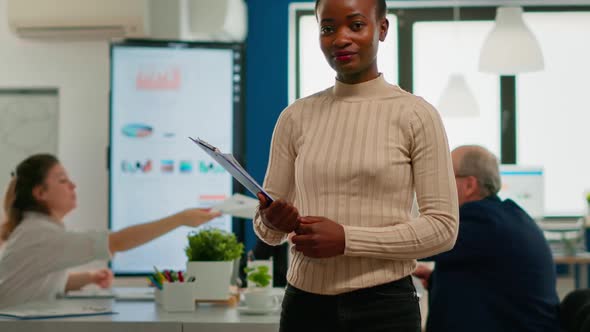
(342, 38)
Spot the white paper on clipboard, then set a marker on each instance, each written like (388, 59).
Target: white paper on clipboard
(230, 164)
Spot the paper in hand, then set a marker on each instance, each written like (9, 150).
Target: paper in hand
(238, 205)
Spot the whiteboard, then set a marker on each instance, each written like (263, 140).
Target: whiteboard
(28, 125)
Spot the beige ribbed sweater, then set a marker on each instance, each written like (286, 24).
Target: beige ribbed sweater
(356, 154)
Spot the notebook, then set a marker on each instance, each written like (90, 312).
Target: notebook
(55, 309)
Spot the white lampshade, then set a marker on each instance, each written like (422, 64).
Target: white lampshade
(457, 100)
(511, 47)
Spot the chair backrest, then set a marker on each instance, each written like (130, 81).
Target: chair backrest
(574, 311)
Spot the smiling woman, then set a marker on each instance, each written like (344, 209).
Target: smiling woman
(343, 169)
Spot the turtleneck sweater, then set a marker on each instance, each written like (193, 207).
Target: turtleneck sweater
(358, 154)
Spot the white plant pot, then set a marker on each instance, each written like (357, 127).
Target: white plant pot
(212, 279)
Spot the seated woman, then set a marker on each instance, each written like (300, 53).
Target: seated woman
(38, 250)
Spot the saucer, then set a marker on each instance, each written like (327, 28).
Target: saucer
(258, 311)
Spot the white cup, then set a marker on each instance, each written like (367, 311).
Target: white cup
(261, 299)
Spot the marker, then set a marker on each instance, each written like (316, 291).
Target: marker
(159, 276)
(155, 282)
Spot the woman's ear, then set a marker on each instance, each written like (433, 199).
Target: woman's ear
(383, 28)
(38, 193)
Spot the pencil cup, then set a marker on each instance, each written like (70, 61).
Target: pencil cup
(178, 296)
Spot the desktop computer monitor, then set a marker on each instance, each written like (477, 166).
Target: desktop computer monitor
(525, 186)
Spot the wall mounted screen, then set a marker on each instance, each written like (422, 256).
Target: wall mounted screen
(161, 93)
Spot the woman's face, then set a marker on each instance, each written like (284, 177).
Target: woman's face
(350, 32)
(57, 193)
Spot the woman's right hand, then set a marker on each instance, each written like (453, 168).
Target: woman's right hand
(197, 217)
(278, 215)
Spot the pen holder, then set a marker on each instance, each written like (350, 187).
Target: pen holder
(178, 296)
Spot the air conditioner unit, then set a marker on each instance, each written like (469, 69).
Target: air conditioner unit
(78, 19)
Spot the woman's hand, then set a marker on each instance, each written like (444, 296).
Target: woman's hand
(278, 215)
(197, 217)
(319, 237)
(103, 278)
(423, 272)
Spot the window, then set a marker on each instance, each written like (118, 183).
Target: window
(443, 48)
(553, 110)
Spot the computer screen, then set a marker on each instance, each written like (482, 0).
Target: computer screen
(161, 93)
(525, 186)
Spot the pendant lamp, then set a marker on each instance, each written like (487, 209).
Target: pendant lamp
(511, 47)
(457, 99)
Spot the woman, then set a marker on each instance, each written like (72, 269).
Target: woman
(344, 166)
(38, 250)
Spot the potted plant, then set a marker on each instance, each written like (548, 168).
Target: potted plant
(211, 254)
(259, 276)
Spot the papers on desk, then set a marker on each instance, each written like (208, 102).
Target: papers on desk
(230, 164)
(55, 309)
(238, 205)
(118, 293)
(89, 294)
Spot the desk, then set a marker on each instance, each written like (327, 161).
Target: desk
(146, 316)
(575, 262)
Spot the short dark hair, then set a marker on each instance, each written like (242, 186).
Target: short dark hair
(381, 8)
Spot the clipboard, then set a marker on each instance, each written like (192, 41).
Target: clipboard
(230, 164)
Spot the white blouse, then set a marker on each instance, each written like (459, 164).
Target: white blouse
(36, 256)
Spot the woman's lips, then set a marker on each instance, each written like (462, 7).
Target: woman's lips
(343, 57)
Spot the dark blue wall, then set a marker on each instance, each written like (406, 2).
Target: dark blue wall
(266, 81)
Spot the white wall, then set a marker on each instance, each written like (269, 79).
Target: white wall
(80, 70)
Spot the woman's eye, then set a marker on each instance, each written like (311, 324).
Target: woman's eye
(326, 29)
(357, 25)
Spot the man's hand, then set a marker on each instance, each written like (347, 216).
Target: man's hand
(423, 273)
(103, 278)
(278, 215)
(319, 237)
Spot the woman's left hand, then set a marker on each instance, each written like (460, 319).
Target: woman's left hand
(319, 237)
(103, 278)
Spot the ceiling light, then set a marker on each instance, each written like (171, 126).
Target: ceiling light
(511, 47)
(457, 100)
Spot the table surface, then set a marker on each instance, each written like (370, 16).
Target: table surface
(147, 316)
(579, 258)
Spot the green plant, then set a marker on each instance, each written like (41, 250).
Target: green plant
(588, 198)
(259, 275)
(213, 245)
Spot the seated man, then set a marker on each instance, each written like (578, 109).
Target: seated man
(500, 275)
